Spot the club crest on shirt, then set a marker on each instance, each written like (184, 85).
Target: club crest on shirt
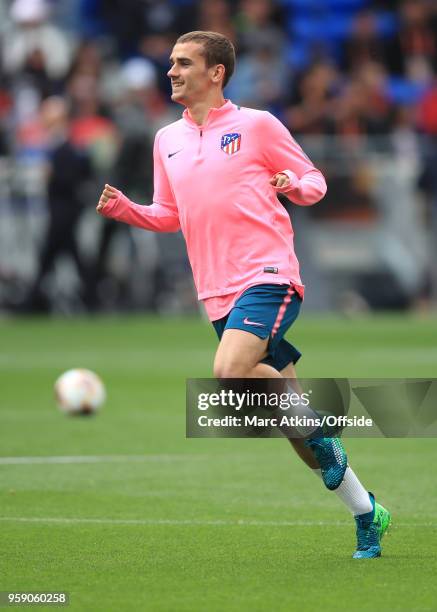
(231, 143)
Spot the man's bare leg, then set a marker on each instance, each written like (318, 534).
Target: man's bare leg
(238, 356)
(305, 453)
(351, 491)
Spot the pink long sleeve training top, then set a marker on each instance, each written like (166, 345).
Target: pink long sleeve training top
(212, 182)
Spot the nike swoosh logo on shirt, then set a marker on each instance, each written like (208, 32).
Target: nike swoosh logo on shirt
(171, 154)
(247, 322)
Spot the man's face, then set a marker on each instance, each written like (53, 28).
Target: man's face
(191, 80)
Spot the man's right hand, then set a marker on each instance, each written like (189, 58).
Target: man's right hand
(108, 193)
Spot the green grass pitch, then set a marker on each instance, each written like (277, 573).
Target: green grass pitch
(125, 514)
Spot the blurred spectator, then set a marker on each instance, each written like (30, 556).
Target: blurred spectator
(161, 16)
(68, 171)
(312, 111)
(32, 44)
(364, 44)
(36, 57)
(262, 77)
(215, 16)
(91, 128)
(259, 17)
(401, 242)
(90, 63)
(87, 60)
(130, 20)
(365, 108)
(413, 51)
(124, 20)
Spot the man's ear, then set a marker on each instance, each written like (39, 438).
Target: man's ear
(218, 73)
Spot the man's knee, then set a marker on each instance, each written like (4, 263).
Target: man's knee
(231, 368)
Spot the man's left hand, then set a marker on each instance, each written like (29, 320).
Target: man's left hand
(280, 180)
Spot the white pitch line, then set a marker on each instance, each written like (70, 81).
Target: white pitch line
(192, 522)
(93, 459)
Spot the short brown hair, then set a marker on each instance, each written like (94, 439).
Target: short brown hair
(217, 49)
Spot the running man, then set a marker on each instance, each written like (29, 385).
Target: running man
(217, 173)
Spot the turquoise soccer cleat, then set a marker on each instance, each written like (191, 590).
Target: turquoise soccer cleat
(371, 528)
(332, 459)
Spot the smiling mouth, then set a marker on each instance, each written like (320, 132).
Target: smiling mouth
(176, 84)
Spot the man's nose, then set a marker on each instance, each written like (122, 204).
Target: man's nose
(172, 72)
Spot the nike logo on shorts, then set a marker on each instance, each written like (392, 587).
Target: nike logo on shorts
(171, 154)
(247, 322)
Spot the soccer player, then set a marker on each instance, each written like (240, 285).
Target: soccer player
(217, 173)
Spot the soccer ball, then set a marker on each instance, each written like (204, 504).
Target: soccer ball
(79, 391)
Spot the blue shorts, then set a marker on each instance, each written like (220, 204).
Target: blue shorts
(266, 311)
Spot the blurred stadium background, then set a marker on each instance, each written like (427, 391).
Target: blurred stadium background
(122, 510)
(354, 81)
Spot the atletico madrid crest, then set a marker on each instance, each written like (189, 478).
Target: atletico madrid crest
(231, 143)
